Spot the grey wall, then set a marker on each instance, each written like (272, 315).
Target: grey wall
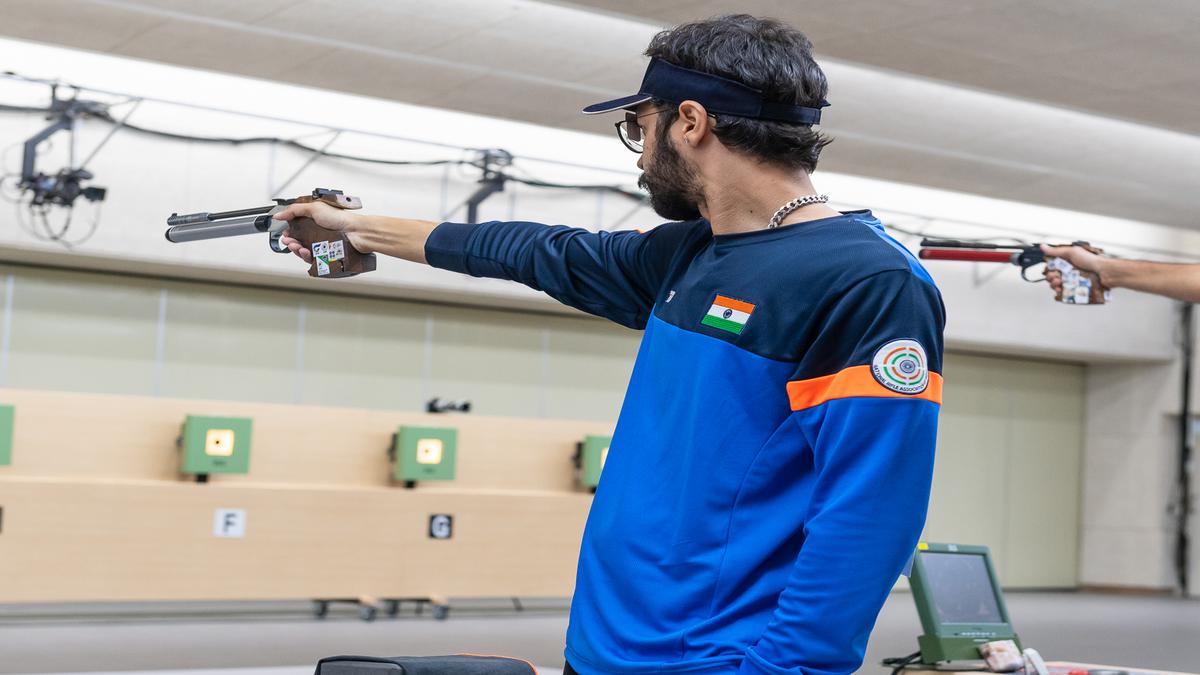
(101, 333)
(1132, 451)
(1009, 467)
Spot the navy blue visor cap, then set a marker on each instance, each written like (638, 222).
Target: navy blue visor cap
(721, 95)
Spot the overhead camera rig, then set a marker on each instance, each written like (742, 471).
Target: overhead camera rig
(491, 162)
(495, 166)
(65, 186)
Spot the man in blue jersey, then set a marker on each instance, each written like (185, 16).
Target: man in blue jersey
(769, 473)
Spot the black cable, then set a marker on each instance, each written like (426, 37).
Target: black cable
(19, 212)
(534, 182)
(981, 240)
(287, 142)
(91, 229)
(1181, 501)
(59, 236)
(898, 664)
(4, 107)
(273, 140)
(15, 198)
(43, 212)
(578, 186)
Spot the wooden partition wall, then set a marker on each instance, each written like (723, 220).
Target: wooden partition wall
(94, 508)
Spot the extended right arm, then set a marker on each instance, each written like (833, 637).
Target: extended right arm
(398, 237)
(615, 275)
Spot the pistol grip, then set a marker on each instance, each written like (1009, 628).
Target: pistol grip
(1073, 291)
(1099, 294)
(333, 256)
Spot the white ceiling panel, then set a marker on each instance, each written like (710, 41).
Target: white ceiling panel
(621, 73)
(579, 46)
(901, 163)
(974, 43)
(1177, 59)
(245, 11)
(208, 46)
(82, 25)
(357, 72)
(401, 27)
(1016, 32)
(516, 99)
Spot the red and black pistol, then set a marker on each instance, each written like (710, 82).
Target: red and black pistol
(1079, 287)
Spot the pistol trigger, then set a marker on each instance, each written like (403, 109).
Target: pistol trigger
(274, 241)
(275, 233)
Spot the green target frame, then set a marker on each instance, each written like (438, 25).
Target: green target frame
(8, 415)
(593, 452)
(215, 445)
(424, 453)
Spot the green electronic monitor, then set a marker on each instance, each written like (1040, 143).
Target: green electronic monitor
(959, 601)
(215, 445)
(423, 453)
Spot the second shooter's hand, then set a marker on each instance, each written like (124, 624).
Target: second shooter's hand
(1079, 257)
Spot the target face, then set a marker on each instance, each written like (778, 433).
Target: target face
(429, 451)
(218, 443)
(901, 366)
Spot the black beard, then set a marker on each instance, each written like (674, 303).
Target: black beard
(674, 189)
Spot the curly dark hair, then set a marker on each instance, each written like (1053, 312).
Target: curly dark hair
(766, 54)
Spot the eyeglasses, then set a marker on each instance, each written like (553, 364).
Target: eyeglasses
(630, 132)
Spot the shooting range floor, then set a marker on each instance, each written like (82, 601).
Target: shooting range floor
(286, 670)
(281, 639)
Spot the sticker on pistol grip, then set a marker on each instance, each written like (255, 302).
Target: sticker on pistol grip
(337, 250)
(320, 252)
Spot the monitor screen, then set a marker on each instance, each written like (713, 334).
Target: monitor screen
(961, 588)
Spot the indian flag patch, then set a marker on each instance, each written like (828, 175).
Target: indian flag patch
(728, 314)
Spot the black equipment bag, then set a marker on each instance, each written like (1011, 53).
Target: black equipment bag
(458, 664)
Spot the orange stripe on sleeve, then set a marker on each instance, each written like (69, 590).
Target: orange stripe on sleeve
(856, 381)
(734, 304)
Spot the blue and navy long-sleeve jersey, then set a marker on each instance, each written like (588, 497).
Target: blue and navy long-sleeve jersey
(769, 474)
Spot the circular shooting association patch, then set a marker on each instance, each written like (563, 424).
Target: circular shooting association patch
(901, 366)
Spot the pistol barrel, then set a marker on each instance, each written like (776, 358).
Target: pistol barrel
(969, 255)
(196, 231)
(205, 216)
(188, 218)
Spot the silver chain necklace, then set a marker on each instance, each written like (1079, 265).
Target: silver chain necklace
(793, 205)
